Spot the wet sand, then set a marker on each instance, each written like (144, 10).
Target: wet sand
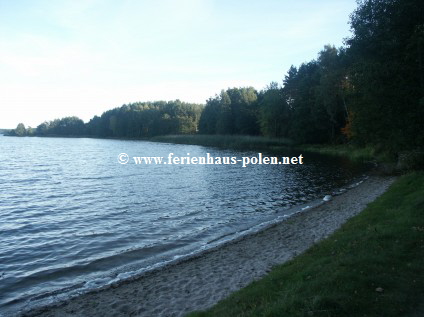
(200, 281)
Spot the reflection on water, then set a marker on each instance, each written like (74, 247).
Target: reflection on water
(73, 218)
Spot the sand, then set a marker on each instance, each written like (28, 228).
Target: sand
(201, 281)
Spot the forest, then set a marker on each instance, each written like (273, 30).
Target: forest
(370, 92)
(135, 120)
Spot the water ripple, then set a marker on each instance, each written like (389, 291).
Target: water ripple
(73, 218)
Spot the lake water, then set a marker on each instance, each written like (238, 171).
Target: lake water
(72, 218)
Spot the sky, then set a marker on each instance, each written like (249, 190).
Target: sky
(83, 57)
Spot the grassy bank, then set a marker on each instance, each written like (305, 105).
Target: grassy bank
(354, 153)
(227, 141)
(372, 266)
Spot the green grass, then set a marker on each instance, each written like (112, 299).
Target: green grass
(354, 153)
(383, 247)
(226, 141)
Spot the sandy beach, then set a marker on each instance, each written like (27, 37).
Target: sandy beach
(199, 282)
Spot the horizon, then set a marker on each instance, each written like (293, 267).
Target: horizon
(81, 58)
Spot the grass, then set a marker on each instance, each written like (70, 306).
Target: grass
(246, 142)
(227, 141)
(372, 266)
(354, 153)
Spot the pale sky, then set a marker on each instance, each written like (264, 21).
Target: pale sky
(83, 57)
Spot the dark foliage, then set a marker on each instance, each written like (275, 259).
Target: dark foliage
(370, 92)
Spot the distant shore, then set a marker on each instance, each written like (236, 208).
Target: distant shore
(201, 281)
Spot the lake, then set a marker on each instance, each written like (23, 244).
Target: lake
(73, 218)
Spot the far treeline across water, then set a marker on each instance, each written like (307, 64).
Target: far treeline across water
(369, 92)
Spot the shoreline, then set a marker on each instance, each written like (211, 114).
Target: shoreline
(198, 282)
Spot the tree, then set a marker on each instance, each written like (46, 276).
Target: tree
(387, 73)
(274, 112)
(245, 110)
(42, 129)
(308, 120)
(20, 130)
(331, 91)
(233, 111)
(225, 122)
(209, 117)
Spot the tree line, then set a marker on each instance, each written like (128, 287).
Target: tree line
(135, 120)
(369, 92)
